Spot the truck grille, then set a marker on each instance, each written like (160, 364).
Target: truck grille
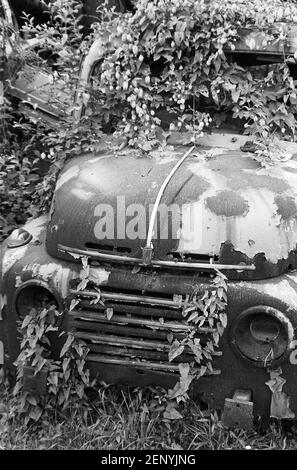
(136, 335)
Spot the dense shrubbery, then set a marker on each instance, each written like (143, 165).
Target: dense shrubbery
(169, 56)
(31, 152)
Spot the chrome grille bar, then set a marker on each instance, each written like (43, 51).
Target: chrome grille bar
(141, 364)
(155, 263)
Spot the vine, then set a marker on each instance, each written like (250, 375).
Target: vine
(206, 311)
(64, 380)
(32, 152)
(166, 65)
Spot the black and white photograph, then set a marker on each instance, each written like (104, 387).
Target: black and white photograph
(148, 228)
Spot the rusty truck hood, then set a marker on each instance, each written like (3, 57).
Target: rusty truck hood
(237, 210)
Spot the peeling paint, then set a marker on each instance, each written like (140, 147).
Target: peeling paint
(280, 402)
(42, 270)
(52, 273)
(286, 206)
(270, 235)
(231, 199)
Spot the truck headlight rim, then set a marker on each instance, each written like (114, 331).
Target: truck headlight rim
(36, 284)
(284, 324)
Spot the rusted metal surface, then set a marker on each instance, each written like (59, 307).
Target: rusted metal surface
(115, 340)
(33, 263)
(238, 411)
(141, 365)
(156, 262)
(38, 89)
(244, 217)
(128, 320)
(138, 341)
(41, 95)
(129, 298)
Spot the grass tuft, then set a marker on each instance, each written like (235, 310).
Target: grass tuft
(121, 419)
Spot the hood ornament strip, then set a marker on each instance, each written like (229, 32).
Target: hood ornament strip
(147, 251)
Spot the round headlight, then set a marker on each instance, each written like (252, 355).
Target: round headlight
(18, 237)
(33, 297)
(262, 335)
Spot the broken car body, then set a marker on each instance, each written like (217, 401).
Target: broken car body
(246, 215)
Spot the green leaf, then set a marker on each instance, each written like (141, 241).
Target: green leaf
(109, 313)
(216, 337)
(35, 413)
(26, 321)
(32, 400)
(170, 337)
(193, 316)
(73, 304)
(223, 318)
(176, 349)
(67, 345)
(171, 412)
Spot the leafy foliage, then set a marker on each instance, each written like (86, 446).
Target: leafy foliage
(163, 64)
(66, 378)
(207, 312)
(167, 62)
(122, 419)
(33, 152)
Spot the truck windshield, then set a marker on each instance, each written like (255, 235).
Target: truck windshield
(223, 117)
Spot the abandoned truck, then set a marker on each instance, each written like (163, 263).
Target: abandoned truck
(246, 219)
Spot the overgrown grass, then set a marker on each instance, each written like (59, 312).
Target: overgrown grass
(130, 419)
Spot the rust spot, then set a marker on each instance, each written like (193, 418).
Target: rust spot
(228, 204)
(286, 206)
(275, 185)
